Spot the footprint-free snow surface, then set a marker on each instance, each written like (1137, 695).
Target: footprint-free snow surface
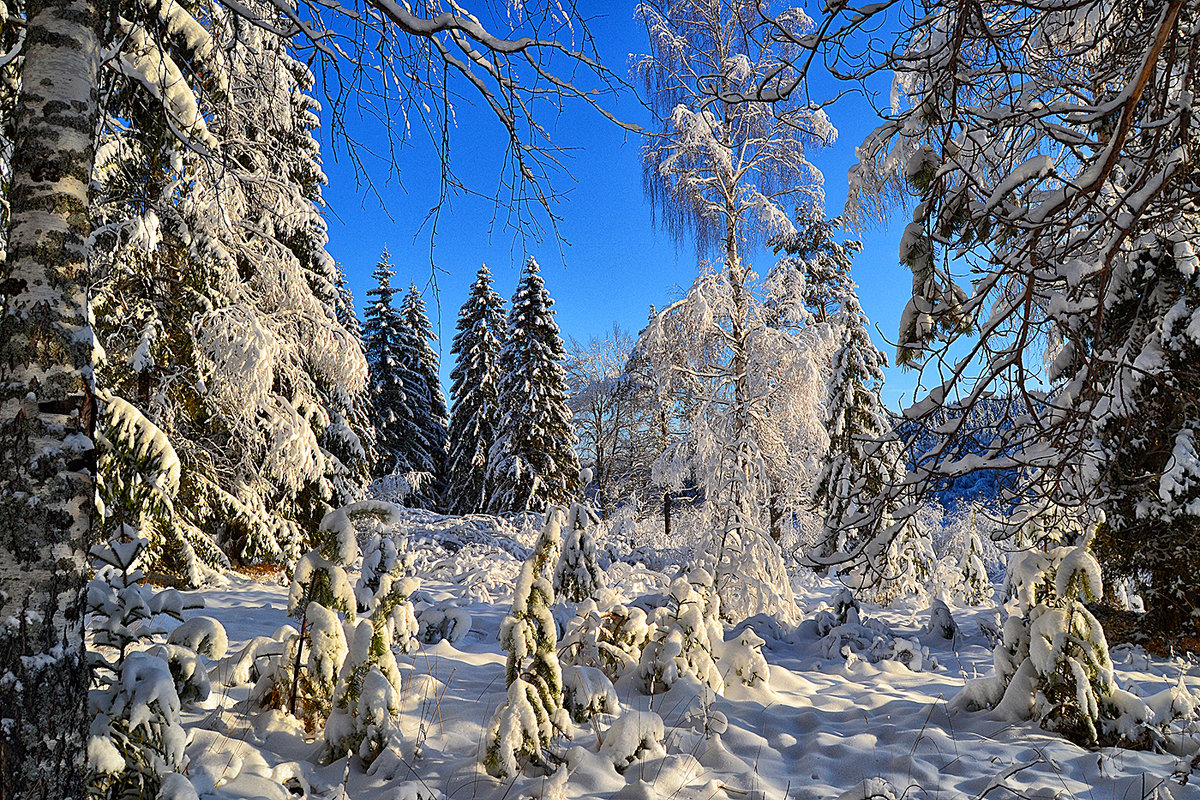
(828, 725)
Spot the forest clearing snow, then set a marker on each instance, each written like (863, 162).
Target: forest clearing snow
(825, 727)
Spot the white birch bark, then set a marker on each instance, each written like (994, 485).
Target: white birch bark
(47, 409)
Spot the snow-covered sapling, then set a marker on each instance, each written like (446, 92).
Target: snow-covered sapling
(204, 635)
(384, 589)
(443, 623)
(366, 700)
(908, 567)
(974, 584)
(135, 737)
(941, 622)
(577, 575)
(1052, 664)
(533, 713)
(302, 679)
(635, 735)
(379, 557)
(587, 692)
(686, 631)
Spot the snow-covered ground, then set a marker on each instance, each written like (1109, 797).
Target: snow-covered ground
(825, 725)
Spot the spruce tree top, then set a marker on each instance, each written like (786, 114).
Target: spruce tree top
(474, 391)
(537, 464)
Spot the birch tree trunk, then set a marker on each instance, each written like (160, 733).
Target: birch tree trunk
(47, 460)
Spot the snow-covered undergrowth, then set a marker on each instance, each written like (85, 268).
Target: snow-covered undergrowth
(759, 710)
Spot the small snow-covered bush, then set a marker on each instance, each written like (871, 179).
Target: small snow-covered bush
(587, 692)
(748, 573)
(533, 713)
(366, 700)
(187, 671)
(941, 622)
(443, 623)
(258, 657)
(611, 641)
(135, 741)
(204, 635)
(1052, 663)
(577, 575)
(685, 633)
(846, 634)
(742, 658)
(634, 736)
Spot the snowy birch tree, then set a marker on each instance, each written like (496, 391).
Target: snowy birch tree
(474, 392)
(773, 460)
(606, 411)
(47, 406)
(722, 169)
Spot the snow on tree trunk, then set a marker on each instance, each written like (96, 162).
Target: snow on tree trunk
(46, 408)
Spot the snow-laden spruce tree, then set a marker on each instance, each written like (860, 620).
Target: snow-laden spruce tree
(1147, 428)
(532, 463)
(727, 162)
(862, 459)
(1052, 664)
(533, 713)
(577, 576)
(474, 394)
(216, 298)
(423, 425)
(150, 285)
(382, 340)
(279, 368)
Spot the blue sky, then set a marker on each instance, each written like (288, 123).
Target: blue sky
(611, 264)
